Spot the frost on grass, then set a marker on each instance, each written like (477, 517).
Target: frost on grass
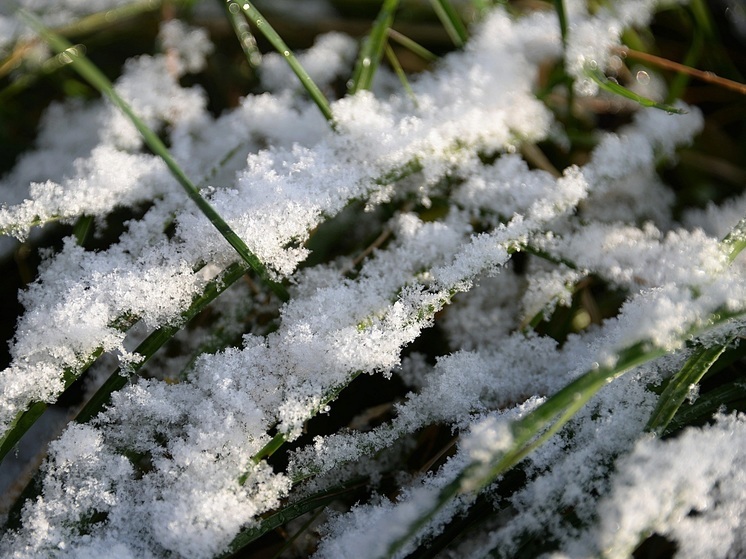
(167, 469)
(697, 503)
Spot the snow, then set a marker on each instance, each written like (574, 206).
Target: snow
(167, 470)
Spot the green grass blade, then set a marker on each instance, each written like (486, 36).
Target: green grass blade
(703, 358)
(412, 45)
(559, 6)
(280, 438)
(679, 386)
(20, 425)
(82, 228)
(373, 46)
(733, 394)
(391, 57)
(535, 428)
(117, 380)
(26, 419)
(612, 87)
(290, 512)
(451, 21)
(243, 34)
(277, 42)
(94, 76)
(735, 241)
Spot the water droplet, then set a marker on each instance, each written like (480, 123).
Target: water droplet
(234, 8)
(286, 53)
(366, 62)
(643, 77)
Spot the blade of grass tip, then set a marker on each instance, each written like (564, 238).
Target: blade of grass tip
(94, 76)
(82, 228)
(701, 360)
(245, 36)
(274, 38)
(680, 385)
(391, 57)
(412, 45)
(559, 5)
(613, 87)
(732, 394)
(735, 241)
(373, 46)
(451, 21)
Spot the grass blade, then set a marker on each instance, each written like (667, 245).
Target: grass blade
(373, 47)
(277, 42)
(245, 37)
(679, 386)
(156, 339)
(703, 358)
(735, 241)
(22, 423)
(612, 87)
(732, 394)
(535, 428)
(451, 21)
(290, 512)
(391, 57)
(94, 76)
(412, 45)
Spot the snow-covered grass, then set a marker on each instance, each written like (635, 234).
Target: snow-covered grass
(380, 305)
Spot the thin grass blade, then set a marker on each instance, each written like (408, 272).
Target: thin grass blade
(244, 35)
(261, 23)
(396, 65)
(94, 76)
(290, 512)
(612, 87)
(373, 47)
(680, 385)
(451, 21)
(535, 428)
(148, 347)
(732, 394)
(412, 45)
